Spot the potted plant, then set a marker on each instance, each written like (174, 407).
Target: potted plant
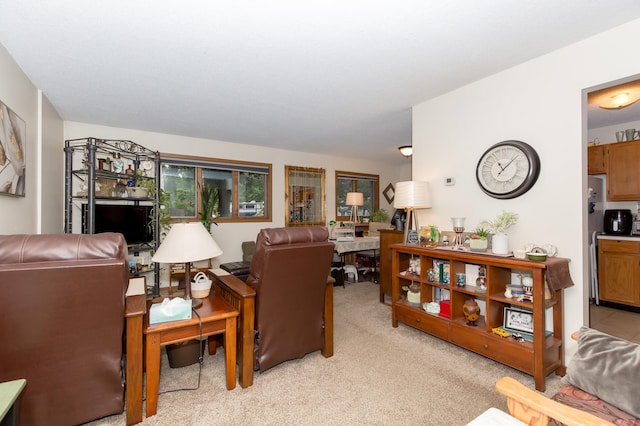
(499, 227)
(208, 203)
(413, 293)
(478, 239)
(379, 215)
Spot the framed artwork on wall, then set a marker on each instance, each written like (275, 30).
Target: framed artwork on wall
(389, 193)
(12, 152)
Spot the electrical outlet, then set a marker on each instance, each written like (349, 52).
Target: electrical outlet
(450, 181)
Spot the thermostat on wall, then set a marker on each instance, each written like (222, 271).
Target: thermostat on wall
(449, 181)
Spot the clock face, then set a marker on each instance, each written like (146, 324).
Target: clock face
(508, 169)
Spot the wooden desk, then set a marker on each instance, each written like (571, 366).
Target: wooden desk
(217, 317)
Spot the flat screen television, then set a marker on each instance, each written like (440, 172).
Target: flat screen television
(129, 220)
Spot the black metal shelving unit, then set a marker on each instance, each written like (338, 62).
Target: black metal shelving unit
(91, 180)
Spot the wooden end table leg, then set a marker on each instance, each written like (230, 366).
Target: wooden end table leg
(153, 373)
(134, 370)
(230, 351)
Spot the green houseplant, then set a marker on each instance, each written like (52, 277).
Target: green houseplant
(379, 215)
(499, 227)
(478, 239)
(208, 204)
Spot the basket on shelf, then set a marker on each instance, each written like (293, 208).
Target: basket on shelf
(200, 286)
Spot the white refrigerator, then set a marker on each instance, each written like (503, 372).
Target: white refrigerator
(595, 220)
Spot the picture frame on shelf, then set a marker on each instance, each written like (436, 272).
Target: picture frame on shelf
(518, 319)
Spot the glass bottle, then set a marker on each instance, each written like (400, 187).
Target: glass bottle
(118, 164)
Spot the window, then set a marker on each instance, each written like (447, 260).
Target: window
(304, 196)
(237, 191)
(356, 182)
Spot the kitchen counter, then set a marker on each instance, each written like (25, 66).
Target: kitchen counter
(619, 237)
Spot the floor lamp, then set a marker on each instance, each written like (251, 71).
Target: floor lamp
(354, 199)
(187, 242)
(412, 195)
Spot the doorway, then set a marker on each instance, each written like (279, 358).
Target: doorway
(608, 115)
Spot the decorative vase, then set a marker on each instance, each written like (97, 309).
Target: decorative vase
(413, 298)
(471, 312)
(500, 244)
(479, 244)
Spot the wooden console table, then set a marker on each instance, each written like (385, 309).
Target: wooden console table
(539, 357)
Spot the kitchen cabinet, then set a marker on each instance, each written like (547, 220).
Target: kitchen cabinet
(619, 271)
(596, 160)
(623, 174)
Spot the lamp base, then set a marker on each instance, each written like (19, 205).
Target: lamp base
(196, 303)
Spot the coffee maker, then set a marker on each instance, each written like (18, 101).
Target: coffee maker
(617, 222)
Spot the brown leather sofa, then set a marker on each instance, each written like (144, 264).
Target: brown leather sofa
(290, 272)
(63, 322)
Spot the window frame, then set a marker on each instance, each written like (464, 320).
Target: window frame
(354, 177)
(322, 175)
(235, 166)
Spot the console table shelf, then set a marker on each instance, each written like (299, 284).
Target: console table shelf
(539, 357)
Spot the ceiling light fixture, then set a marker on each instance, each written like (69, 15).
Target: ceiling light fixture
(620, 100)
(406, 150)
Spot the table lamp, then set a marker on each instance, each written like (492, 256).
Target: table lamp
(354, 199)
(412, 195)
(187, 242)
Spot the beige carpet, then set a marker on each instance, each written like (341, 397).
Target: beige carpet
(378, 376)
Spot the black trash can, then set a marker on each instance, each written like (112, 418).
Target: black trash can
(182, 354)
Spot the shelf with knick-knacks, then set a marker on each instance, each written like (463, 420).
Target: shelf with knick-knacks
(462, 300)
(113, 186)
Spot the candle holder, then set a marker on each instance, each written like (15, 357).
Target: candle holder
(458, 228)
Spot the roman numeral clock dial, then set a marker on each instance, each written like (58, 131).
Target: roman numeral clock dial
(508, 169)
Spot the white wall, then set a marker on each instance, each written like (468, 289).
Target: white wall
(51, 175)
(39, 211)
(540, 102)
(230, 235)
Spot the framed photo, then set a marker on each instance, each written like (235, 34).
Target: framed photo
(518, 319)
(12, 153)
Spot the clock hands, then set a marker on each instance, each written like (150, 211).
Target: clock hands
(498, 162)
(508, 164)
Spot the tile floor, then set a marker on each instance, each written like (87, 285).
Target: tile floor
(615, 322)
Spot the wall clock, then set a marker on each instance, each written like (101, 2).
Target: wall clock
(508, 169)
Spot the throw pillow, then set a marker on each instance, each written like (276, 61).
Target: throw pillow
(607, 367)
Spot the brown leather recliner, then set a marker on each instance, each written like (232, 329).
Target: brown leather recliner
(294, 294)
(62, 324)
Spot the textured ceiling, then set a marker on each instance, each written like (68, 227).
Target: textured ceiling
(318, 76)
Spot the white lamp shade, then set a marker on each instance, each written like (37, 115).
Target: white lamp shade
(187, 242)
(413, 194)
(355, 199)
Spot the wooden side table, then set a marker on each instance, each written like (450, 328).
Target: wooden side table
(243, 298)
(217, 317)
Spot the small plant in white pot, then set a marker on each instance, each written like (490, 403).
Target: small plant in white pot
(478, 239)
(499, 227)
